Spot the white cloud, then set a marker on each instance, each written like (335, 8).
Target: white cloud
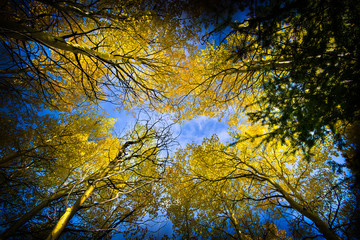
(197, 129)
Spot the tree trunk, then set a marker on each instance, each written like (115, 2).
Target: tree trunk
(69, 213)
(233, 220)
(27, 216)
(25, 33)
(323, 227)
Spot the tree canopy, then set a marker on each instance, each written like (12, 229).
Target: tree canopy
(282, 75)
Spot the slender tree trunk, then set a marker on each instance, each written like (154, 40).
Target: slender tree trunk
(4, 161)
(233, 220)
(69, 213)
(323, 227)
(27, 216)
(25, 33)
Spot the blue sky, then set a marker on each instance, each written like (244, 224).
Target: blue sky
(194, 130)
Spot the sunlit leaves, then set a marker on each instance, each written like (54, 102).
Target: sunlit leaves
(282, 78)
(260, 179)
